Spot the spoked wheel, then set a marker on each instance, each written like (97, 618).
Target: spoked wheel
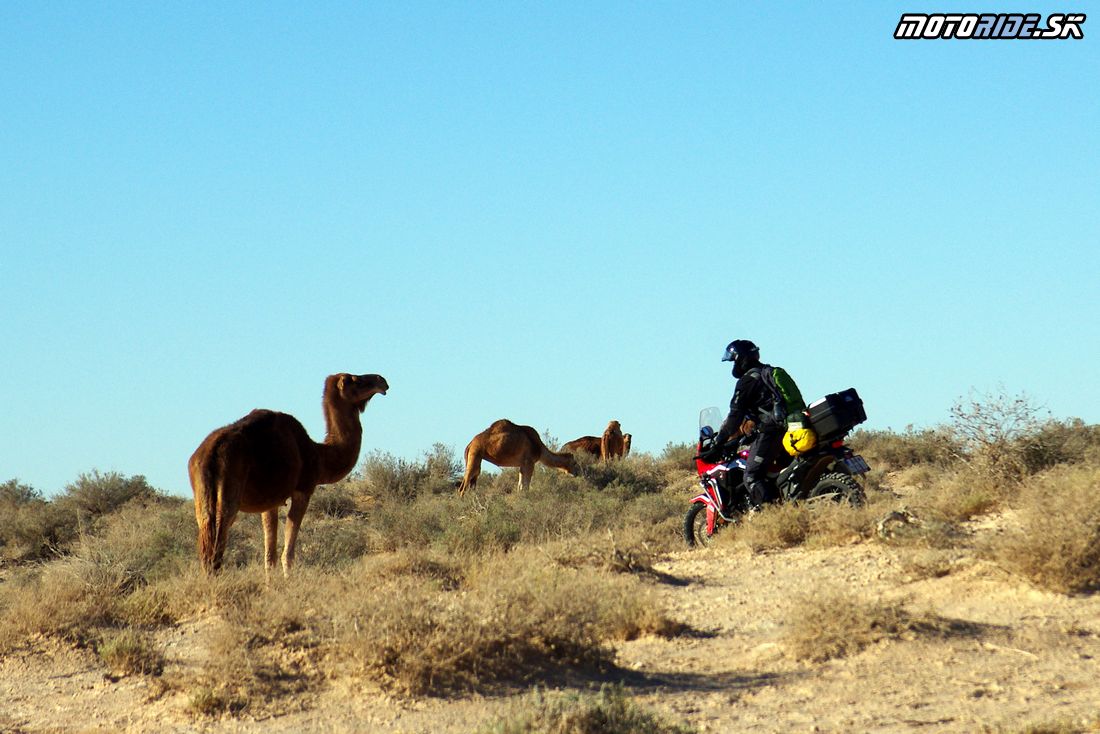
(695, 526)
(838, 487)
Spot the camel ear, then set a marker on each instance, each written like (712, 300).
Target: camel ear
(341, 382)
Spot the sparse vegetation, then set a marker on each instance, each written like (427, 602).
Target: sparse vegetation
(610, 711)
(429, 594)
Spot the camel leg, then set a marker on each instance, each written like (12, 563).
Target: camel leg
(526, 471)
(228, 505)
(271, 540)
(299, 501)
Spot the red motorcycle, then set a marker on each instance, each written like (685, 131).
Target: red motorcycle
(827, 471)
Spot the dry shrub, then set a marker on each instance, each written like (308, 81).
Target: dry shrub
(69, 599)
(1057, 545)
(962, 494)
(516, 617)
(833, 624)
(934, 447)
(334, 501)
(819, 524)
(94, 495)
(610, 711)
(384, 475)
(30, 527)
(774, 527)
(636, 474)
(261, 665)
(1058, 442)
(678, 458)
(130, 652)
(147, 539)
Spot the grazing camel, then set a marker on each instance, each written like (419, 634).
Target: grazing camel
(584, 444)
(611, 445)
(626, 444)
(266, 458)
(506, 444)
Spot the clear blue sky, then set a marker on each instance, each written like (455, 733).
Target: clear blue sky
(557, 213)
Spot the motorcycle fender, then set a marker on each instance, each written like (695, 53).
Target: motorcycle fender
(816, 471)
(705, 499)
(712, 511)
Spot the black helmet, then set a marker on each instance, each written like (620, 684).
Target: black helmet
(743, 353)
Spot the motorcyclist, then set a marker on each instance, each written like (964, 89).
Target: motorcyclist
(752, 403)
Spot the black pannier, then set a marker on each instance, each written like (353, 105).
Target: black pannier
(836, 414)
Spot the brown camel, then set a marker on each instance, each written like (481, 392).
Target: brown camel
(584, 444)
(265, 458)
(611, 445)
(506, 444)
(626, 444)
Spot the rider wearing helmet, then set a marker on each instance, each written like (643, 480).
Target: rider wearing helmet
(752, 401)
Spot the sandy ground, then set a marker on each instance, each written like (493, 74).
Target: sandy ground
(1032, 657)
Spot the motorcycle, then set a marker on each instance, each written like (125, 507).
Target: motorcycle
(826, 472)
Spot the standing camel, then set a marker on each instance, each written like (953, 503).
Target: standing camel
(506, 444)
(611, 444)
(265, 458)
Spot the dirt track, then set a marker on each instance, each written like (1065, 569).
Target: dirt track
(1032, 657)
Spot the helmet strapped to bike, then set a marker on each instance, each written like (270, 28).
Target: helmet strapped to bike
(744, 355)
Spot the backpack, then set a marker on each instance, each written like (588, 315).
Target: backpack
(789, 404)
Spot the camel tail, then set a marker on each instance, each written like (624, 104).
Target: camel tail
(473, 469)
(204, 482)
(209, 475)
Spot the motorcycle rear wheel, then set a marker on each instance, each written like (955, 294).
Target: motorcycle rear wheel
(838, 487)
(695, 526)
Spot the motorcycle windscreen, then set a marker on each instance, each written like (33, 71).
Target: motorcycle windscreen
(711, 417)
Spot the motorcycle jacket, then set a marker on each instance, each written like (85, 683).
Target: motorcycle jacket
(751, 399)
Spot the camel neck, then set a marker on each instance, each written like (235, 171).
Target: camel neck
(343, 439)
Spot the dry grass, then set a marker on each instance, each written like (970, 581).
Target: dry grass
(833, 624)
(1057, 544)
(817, 524)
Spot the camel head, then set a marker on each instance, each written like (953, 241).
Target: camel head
(572, 467)
(356, 390)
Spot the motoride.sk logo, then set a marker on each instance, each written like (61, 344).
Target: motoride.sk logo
(968, 26)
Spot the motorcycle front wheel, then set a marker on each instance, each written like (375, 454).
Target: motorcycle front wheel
(695, 526)
(838, 487)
